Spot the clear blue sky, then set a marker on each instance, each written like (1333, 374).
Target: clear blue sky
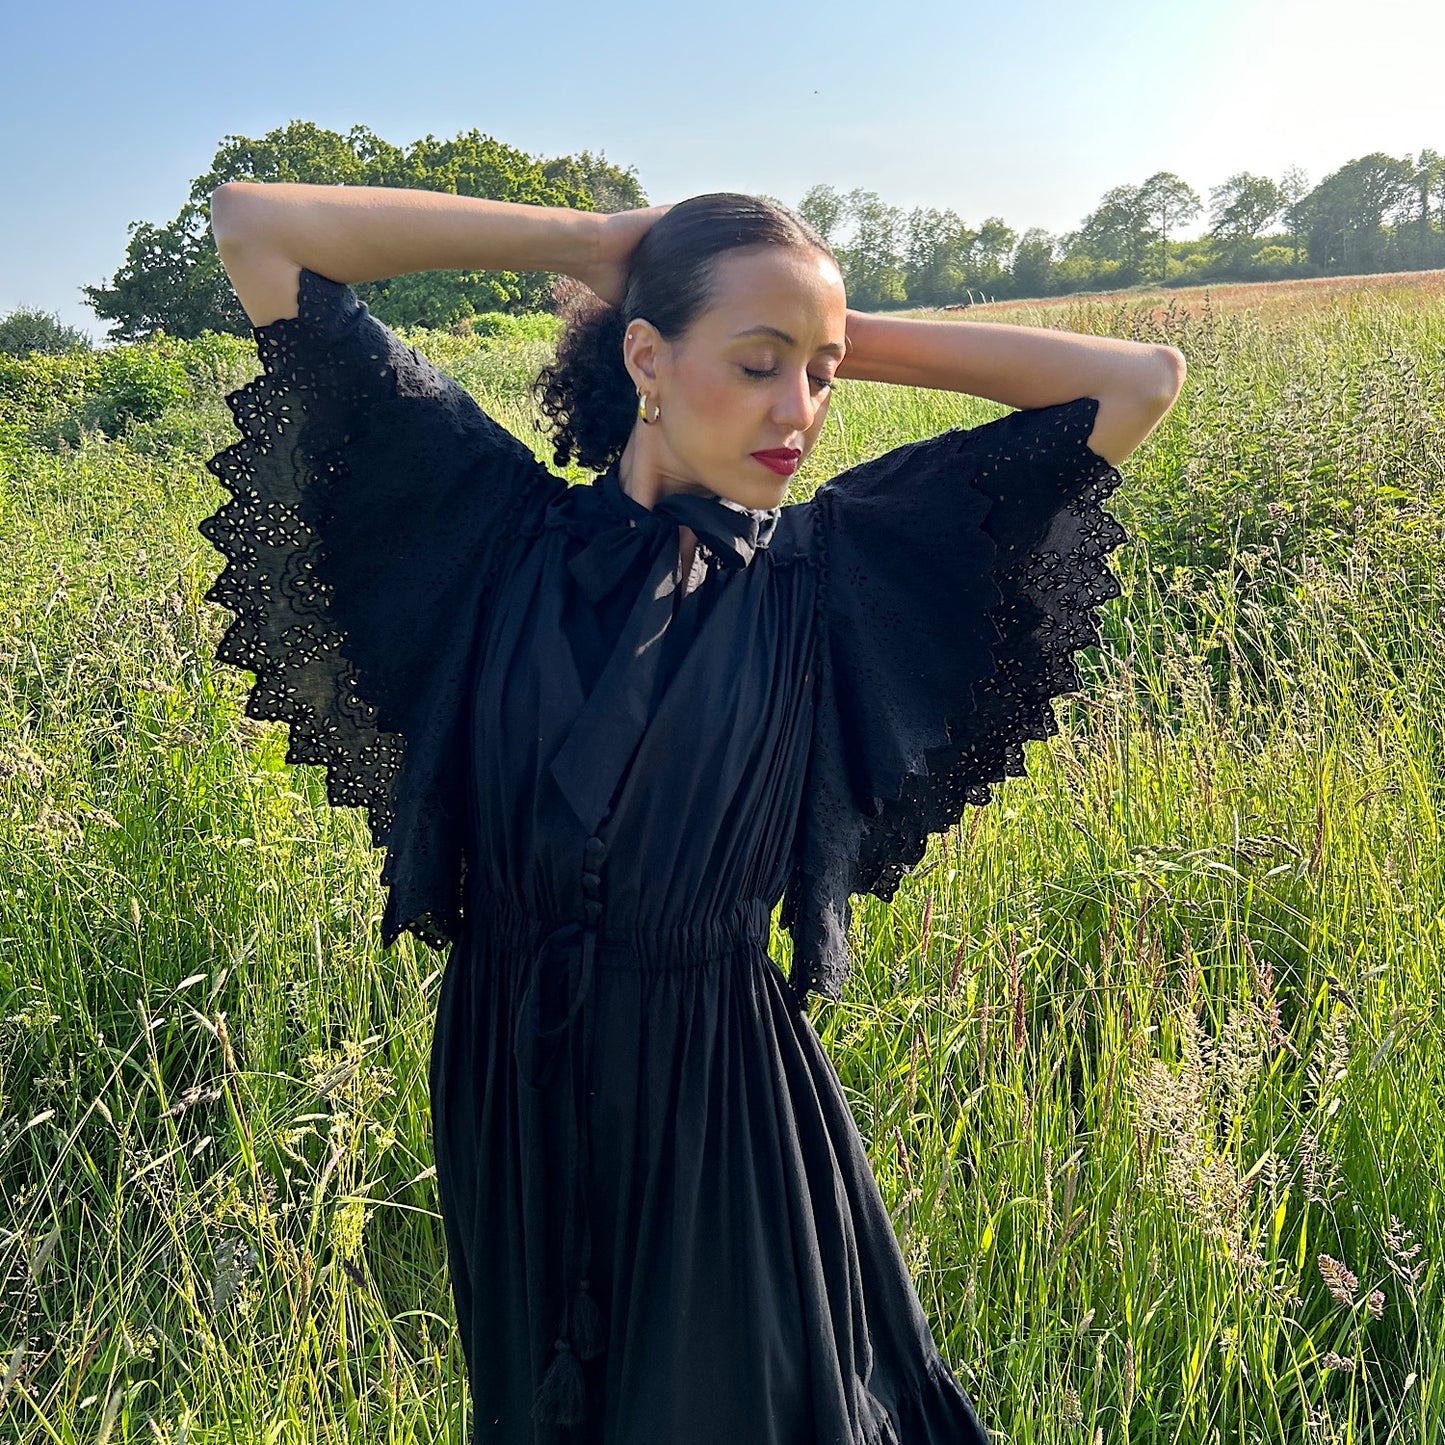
(1027, 110)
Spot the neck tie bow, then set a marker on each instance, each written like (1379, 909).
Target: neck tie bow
(601, 742)
(729, 531)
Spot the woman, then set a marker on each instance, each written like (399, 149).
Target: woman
(603, 730)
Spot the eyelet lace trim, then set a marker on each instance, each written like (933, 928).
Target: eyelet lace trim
(287, 476)
(1050, 592)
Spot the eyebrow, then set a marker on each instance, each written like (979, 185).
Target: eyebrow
(784, 337)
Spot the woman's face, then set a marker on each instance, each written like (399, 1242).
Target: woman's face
(752, 373)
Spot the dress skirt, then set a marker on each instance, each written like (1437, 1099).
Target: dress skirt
(731, 1313)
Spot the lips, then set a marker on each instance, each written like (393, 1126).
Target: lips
(784, 462)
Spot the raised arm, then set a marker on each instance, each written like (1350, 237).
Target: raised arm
(1134, 382)
(267, 231)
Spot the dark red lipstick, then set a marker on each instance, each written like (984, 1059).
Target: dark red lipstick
(782, 460)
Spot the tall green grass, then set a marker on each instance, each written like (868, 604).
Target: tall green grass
(1147, 1053)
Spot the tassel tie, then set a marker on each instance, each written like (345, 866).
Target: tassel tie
(561, 1397)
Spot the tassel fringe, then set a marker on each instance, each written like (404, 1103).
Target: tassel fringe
(561, 1396)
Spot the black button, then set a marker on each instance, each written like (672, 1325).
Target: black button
(590, 882)
(594, 850)
(592, 910)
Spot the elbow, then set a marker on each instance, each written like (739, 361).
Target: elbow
(1129, 414)
(1170, 370)
(230, 204)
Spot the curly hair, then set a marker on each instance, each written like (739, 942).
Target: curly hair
(586, 392)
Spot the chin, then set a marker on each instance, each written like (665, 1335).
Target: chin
(747, 490)
(760, 495)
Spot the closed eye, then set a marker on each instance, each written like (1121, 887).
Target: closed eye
(759, 375)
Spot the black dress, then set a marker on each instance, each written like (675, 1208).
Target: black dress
(594, 785)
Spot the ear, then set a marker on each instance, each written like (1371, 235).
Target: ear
(641, 345)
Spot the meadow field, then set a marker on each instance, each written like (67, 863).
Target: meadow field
(1276, 298)
(1147, 1053)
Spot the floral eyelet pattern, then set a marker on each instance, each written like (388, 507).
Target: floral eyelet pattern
(366, 492)
(959, 577)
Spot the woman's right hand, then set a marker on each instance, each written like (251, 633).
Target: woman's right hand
(617, 238)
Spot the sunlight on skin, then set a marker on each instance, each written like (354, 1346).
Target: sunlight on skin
(724, 395)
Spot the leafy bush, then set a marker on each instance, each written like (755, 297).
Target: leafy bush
(14, 378)
(165, 394)
(137, 384)
(59, 397)
(216, 361)
(27, 329)
(528, 326)
(37, 387)
(1273, 256)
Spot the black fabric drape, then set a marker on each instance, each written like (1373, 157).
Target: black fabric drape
(369, 496)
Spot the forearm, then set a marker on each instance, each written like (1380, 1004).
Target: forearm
(1023, 366)
(371, 233)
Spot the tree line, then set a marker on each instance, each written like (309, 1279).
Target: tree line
(1375, 213)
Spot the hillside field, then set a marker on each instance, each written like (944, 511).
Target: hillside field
(1273, 298)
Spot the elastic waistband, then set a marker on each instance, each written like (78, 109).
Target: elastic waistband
(686, 944)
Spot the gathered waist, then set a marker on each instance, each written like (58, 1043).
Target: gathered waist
(684, 944)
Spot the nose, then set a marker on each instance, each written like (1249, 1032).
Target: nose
(794, 405)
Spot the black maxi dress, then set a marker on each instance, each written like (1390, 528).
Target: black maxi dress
(594, 784)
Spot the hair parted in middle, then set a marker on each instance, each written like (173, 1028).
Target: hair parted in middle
(586, 391)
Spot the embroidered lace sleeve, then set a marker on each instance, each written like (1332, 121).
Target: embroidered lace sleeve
(958, 577)
(373, 505)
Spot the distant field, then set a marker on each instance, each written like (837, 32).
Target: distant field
(1275, 297)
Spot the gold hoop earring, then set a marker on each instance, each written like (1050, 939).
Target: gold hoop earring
(642, 411)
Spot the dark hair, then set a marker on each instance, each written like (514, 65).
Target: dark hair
(586, 391)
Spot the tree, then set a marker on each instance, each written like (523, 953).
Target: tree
(823, 208)
(303, 152)
(1294, 186)
(1428, 178)
(1033, 263)
(609, 188)
(1167, 200)
(471, 164)
(173, 279)
(872, 263)
(1117, 229)
(28, 329)
(1345, 214)
(988, 255)
(935, 253)
(1240, 210)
